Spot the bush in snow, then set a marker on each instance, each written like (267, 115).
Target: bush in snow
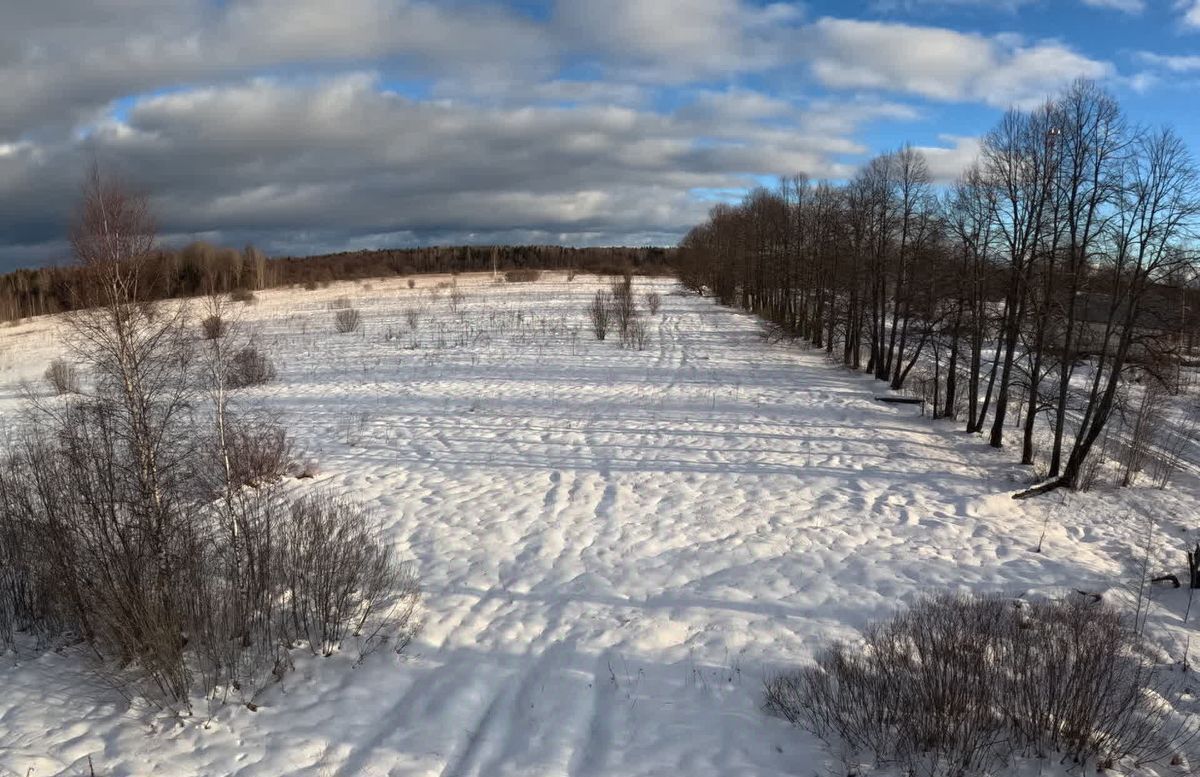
(212, 327)
(600, 312)
(653, 302)
(959, 685)
(522, 276)
(62, 377)
(340, 578)
(259, 452)
(635, 334)
(248, 367)
(347, 321)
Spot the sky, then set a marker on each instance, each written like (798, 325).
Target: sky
(305, 126)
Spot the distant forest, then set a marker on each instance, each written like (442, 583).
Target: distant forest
(201, 268)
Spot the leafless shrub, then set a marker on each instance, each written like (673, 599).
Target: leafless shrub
(1174, 440)
(347, 321)
(600, 313)
(1093, 464)
(412, 317)
(340, 578)
(243, 295)
(653, 302)
(457, 297)
(636, 334)
(353, 428)
(623, 305)
(626, 315)
(1145, 427)
(412, 283)
(62, 377)
(248, 367)
(104, 571)
(212, 327)
(311, 285)
(259, 452)
(522, 276)
(959, 685)
(31, 601)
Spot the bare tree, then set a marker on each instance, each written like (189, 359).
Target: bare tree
(1158, 211)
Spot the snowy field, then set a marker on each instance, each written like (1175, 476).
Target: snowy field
(616, 546)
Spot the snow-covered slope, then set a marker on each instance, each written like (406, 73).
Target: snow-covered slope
(616, 546)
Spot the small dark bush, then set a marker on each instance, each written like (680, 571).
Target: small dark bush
(522, 276)
(243, 295)
(213, 327)
(62, 377)
(600, 312)
(347, 321)
(636, 335)
(249, 368)
(259, 453)
(653, 302)
(959, 685)
(340, 576)
(311, 285)
(412, 284)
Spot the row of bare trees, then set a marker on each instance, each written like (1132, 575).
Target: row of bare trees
(1057, 267)
(140, 511)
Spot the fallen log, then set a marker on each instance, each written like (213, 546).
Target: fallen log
(1167, 579)
(901, 400)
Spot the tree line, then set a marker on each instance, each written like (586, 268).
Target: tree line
(201, 268)
(1060, 264)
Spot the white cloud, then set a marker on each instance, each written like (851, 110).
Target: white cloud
(1191, 12)
(944, 64)
(896, 6)
(1173, 63)
(947, 162)
(1124, 6)
(680, 40)
(57, 67)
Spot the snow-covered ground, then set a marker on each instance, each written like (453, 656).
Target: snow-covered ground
(616, 546)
